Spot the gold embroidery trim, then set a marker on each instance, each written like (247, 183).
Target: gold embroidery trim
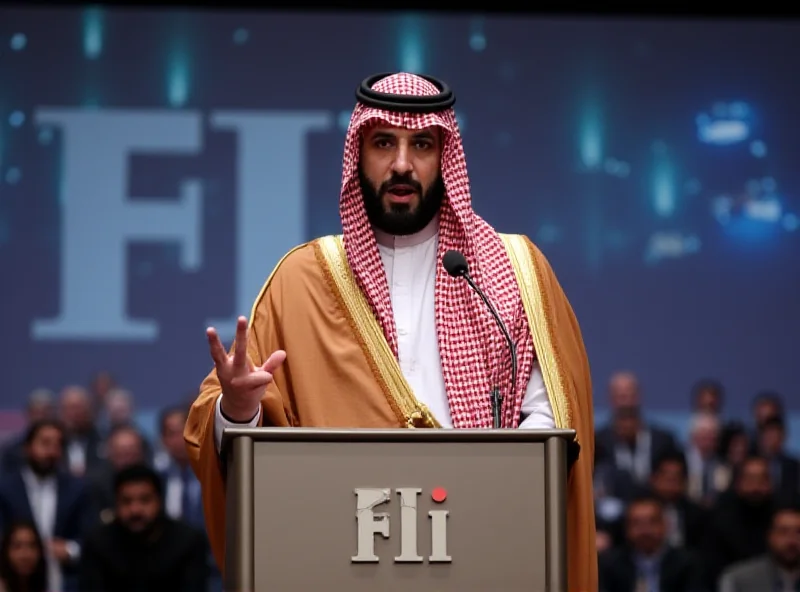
(535, 302)
(415, 414)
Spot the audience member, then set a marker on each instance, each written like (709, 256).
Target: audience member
(182, 496)
(83, 450)
(739, 520)
(779, 568)
(734, 444)
(52, 499)
(629, 443)
(766, 405)
(784, 468)
(647, 561)
(707, 474)
(685, 520)
(143, 548)
(22, 559)
(708, 396)
(125, 447)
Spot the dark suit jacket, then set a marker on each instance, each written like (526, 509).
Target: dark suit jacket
(661, 442)
(95, 450)
(72, 508)
(100, 484)
(114, 561)
(679, 571)
(754, 575)
(789, 485)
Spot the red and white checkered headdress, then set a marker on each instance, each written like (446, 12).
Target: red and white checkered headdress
(474, 356)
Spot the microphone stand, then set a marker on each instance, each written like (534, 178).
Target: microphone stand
(496, 397)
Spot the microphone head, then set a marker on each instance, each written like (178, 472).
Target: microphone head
(455, 263)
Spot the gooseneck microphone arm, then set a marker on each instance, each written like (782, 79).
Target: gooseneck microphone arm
(456, 265)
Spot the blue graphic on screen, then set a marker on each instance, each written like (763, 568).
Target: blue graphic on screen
(150, 183)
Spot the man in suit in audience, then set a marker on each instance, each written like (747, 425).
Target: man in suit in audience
(628, 442)
(779, 569)
(143, 548)
(83, 450)
(686, 521)
(182, 493)
(784, 468)
(647, 562)
(125, 447)
(54, 500)
(739, 522)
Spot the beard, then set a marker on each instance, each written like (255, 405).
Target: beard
(43, 467)
(401, 219)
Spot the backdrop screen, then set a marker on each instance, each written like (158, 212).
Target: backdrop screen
(155, 165)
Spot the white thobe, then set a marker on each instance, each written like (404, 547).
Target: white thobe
(410, 265)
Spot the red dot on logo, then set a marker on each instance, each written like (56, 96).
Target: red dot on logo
(439, 494)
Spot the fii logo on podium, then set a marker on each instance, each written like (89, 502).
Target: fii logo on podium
(370, 523)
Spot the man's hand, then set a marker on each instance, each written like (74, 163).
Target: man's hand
(60, 550)
(243, 384)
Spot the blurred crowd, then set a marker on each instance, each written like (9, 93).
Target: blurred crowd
(718, 512)
(88, 503)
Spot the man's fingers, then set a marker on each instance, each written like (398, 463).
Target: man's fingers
(240, 345)
(218, 353)
(252, 381)
(274, 361)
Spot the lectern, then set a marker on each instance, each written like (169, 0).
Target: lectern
(408, 509)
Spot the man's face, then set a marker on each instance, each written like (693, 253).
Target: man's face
(627, 423)
(172, 437)
(45, 451)
(765, 410)
(400, 175)
(645, 527)
(784, 539)
(137, 506)
(669, 481)
(708, 401)
(125, 448)
(754, 484)
(705, 437)
(771, 440)
(76, 409)
(623, 390)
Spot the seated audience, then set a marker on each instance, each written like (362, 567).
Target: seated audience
(43, 493)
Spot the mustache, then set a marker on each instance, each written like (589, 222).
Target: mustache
(396, 180)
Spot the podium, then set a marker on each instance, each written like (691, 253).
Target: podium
(357, 510)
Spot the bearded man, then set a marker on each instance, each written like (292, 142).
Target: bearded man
(369, 330)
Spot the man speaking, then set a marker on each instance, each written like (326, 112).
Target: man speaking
(419, 315)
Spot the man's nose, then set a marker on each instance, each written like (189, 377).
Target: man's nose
(402, 162)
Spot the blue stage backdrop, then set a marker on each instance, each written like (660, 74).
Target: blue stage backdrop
(155, 165)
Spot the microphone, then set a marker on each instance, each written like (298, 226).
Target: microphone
(456, 265)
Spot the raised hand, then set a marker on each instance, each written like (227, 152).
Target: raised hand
(243, 383)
